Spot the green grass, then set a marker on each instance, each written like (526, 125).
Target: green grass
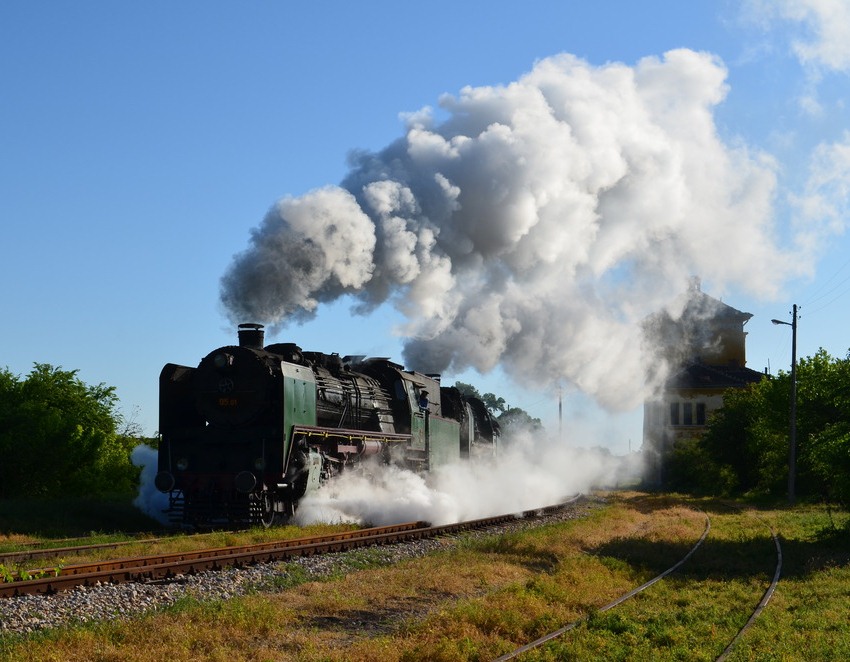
(694, 613)
(485, 597)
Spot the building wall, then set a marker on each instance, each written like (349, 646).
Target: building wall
(678, 416)
(731, 347)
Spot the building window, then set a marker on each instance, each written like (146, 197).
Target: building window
(700, 413)
(688, 414)
(674, 413)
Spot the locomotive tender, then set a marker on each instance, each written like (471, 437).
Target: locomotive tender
(252, 429)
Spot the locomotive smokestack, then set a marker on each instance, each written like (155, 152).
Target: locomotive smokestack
(251, 335)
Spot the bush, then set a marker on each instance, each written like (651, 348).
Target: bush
(692, 469)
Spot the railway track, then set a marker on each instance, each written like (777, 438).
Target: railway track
(37, 550)
(757, 609)
(50, 580)
(697, 564)
(42, 549)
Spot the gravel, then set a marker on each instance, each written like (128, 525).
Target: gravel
(30, 613)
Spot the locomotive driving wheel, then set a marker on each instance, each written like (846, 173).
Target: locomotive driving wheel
(267, 512)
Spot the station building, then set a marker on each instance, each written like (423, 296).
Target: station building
(704, 352)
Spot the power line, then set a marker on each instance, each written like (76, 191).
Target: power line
(822, 293)
(833, 300)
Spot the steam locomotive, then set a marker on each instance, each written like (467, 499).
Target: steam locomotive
(252, 429)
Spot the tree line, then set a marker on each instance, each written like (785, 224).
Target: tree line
(745, 448)
(508, 417)
(61, 437)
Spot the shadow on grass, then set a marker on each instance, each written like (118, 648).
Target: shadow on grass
(524, 554)
(723, 560)
(714, 560)
(72, 517)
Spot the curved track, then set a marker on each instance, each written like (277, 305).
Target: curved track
(765, 598)
(758, 609)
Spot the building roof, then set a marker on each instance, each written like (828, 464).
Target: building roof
(698, 375)
(702, 306)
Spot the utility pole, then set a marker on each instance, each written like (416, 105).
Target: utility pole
(792, 443)
(560, 415)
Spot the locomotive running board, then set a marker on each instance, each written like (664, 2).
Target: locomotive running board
(338, 435)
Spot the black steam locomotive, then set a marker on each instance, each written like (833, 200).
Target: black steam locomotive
(252, 429)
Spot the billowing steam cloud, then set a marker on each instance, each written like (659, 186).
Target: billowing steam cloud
(534, 226)
(149, 500)
(528, 473)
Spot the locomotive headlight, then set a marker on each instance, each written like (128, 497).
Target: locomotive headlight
(182, 464)
(223, 361)
(260, 463)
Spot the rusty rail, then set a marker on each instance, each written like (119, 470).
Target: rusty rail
(163, 566)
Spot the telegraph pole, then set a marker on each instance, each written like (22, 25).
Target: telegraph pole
(792, 444)
(560, 415)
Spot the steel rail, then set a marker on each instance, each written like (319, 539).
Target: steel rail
(29, 554)
(557, 633)
(48, 580)
(722, 657)
(39, 548)
(765, 598)
(178, 563)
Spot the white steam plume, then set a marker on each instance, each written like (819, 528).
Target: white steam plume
(150, 501)
(528, 473)
(533, 228)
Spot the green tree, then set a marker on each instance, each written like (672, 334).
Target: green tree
(59, 436)
(506, 416)
(747, 440)
(747, 436)
(514, 417)
(468, 390)
(690, 468)
(494, 403)
(823, 431)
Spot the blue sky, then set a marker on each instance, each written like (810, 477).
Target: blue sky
(142, 143)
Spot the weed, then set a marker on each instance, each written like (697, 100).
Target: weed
(290, 575)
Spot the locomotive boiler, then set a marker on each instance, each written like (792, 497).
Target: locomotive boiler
(253, 428)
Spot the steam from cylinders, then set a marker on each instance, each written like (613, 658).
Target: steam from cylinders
(529, 472)
(533, 226)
